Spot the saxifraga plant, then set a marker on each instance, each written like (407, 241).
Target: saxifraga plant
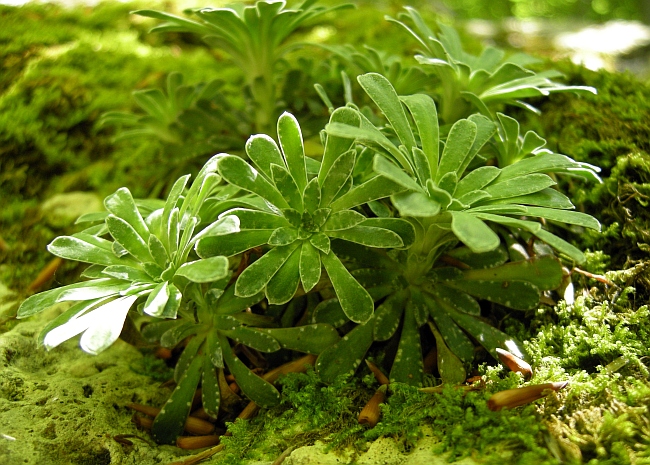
(477, 83)
(405, 217)
(255, 38)
(448, 203)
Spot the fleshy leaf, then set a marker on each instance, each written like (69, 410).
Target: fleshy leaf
(310, 339)
(344, 357)
(170, 422)
(205, 270)
(256, 389)
(354, 299)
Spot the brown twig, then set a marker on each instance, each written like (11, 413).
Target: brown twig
(597, 277)
(192, 424)
(283, 456)
(197, 442)
(514, 363)
(46, 274)
(511, 398)
(379, 376)
(371, 413)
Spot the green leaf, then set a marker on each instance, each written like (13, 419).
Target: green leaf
(337, 177)
(522, 185)
(416, 204)
(561, 245)
(388, 316)
(170, 422)
(344, 357)
(92, 289)
(254, 338)
(369, 236)
(310, 266)
(157, 251)
(173, 304)
(284, 283)
(255, 278)
(81, 250)
(563, 216)
(127, 237)
(39, 302)
(473, 232)
(337, 147)
(369, 136)
(454, 337)
(390, 171)
(548, 197)
(330, 312)
(375, 188)
(236, 171)
(75, 311)
(407, 366)
(460, 140)
(264, 152)
(488, 336)
(127, 273)
(205, 270)
(542, 163)
(286, 185)
(290, 137)
(122, 205)
(355, 300)
(321, 242)
(312, 195)
(170, 204)
(531, 226)
(173, 336)
(402, 228)
(231, 304)
(380, 90)
(157, 300)
(544, 272)
(255, 219)
(283, 236)
(344, 219)
(476, 180)
(489, 259)
(450, 367)
(255, 388)
(232, 244)
(310, 339)
(226, 224)
(424, 112)
(485, 129)
(520, 295)
(210, 392)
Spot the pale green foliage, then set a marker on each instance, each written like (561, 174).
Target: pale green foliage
(255, 38)
(478, 83)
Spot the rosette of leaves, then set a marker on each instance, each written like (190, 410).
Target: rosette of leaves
(306, 205)
(445, 299)
(189, 120)
(447, 202)
(442, 197)
(146, 259)
(485, 82)
(254, 36)
(406, 79)
(219, 319)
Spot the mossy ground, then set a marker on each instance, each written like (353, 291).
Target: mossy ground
(68, 404)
